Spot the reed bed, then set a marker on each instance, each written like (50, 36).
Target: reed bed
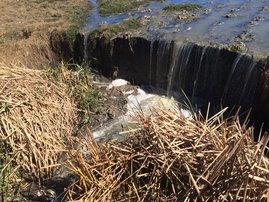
(37, 119)
(173, 158)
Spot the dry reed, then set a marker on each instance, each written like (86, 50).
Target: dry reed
(36, 119)
(172, 158)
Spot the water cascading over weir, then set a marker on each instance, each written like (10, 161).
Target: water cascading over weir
(204, 73)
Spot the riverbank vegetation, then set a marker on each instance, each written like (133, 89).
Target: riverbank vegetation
(27, 24)
(181, 7)
(119, 6)
(108, 31)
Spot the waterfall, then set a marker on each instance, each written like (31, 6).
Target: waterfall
(177, 49)
(248, 82)
(184, 60)
(163, 57)
(231, 74)
(150, 63)
(198, 72)
(205, 73)
(239, 83)
(85, 51)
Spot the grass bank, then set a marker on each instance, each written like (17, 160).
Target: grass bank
(118, 6)
(181, 7)
(108, 31)
(26, 24)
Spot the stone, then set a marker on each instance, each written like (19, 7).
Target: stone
(253, 23)
(244, 37)
(230, 15)
(208, 11)
(186, 16)
(221, 6)
(235, 10)
(264, 9)
(260, 18)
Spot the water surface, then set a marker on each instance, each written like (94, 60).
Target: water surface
(221, 21)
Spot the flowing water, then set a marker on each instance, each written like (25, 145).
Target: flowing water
(204, 73)
(221, 21)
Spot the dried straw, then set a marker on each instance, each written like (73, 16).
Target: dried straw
(36, 119)
(173, 158)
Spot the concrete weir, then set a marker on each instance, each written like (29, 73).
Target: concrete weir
(204, 73)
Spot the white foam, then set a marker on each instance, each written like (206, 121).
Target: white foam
(141, 92)
(117, 83)
(186, 113)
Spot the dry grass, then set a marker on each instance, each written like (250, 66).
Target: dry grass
(37, 120)
(171, 158)
(36, 18)
(34, 52)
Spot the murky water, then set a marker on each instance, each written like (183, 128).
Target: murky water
(225, 22)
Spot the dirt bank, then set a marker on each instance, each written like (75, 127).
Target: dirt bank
(26, 26)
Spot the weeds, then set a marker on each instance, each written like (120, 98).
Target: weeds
(71, 33)
(112, 30)
(79, 86)
(181, 7)
(117, 6)
(5, 170)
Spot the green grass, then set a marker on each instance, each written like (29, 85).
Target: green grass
(78, 17)
(79, 85)
(118, 6)
(5, 171)
(181, 7)
(71, 32)
(112, 30)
